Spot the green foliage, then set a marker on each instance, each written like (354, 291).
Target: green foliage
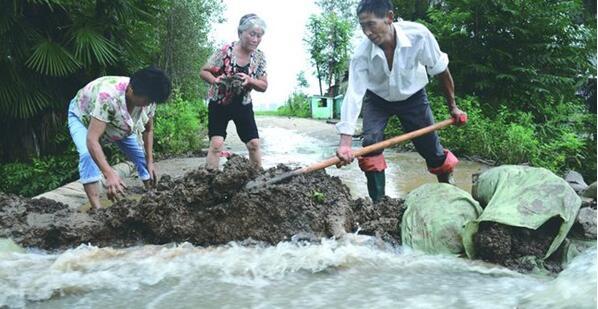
(179, 126)
(185, 44)
(515, 53)
(41, 175)
(318, 197)
(51, 48)
(514, 137)
(297, 105)
(411, 9)
(328, 42)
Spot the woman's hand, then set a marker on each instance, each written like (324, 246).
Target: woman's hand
(218, 79)
(247, 80)
(151, 169)
(116, 187)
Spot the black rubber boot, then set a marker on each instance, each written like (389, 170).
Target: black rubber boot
(446, 178)
(376, 183)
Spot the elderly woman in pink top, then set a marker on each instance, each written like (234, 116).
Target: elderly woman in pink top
(243, 61)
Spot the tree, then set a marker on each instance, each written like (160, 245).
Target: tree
(411, 9)
(328, 41)
(51, 48)
(301, 81)
(344, 9)
(185, 44)
(513, 51)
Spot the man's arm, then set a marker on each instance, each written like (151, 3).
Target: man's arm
(114, 183)
(350, 110)
(448, 88)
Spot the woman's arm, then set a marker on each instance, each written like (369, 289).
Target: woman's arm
(113, 182)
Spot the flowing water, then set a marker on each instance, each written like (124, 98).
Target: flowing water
(354, 271)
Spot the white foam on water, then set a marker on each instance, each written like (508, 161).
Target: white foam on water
(355, 271)
(575, 286)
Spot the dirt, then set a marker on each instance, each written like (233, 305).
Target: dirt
(213, 207)
(205, 208)
(381, 219)
(517, 248)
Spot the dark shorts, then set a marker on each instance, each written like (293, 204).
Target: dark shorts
(414, 113)
(242, 115)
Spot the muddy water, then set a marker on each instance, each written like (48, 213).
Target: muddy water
(353, 271)
(406, 170)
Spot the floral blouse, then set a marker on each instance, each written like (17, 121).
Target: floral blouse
(223, 61)
(104, 99)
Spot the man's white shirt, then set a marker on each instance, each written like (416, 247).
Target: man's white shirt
(416, 55)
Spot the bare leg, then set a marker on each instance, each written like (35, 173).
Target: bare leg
(92, 190)
(255, 154)
(213, 159)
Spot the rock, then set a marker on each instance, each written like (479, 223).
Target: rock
(576, 181)
(586, 222)
(590, 191)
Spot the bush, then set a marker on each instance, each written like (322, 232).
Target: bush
(296, 105)
(180, 126)
(556, 141)
(41, 175)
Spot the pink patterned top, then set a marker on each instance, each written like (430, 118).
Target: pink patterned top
(104, 99)
(224, 61)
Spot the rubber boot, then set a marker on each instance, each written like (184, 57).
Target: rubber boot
(446, 178)
(376, 183)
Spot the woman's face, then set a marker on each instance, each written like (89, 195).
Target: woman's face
(251, 38)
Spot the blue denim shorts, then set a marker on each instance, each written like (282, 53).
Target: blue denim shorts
(88, 169)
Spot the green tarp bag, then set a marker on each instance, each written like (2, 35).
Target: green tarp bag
(434, 218)
(523, 196)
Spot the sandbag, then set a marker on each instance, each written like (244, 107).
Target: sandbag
(434, 218)
(523, 196)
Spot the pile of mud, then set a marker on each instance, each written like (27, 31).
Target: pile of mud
(205, 208)
(516, 247)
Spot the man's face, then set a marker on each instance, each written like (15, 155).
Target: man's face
(377, 29)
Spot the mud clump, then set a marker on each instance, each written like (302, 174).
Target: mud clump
(203, 207)
(516, 247)
(43, 223)
(381, 219)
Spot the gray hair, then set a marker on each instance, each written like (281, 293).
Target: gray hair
(249, 21)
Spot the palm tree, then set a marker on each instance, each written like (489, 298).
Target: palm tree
(50, 48)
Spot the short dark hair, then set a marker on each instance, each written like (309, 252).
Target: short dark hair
(152, 83)
(378, 7)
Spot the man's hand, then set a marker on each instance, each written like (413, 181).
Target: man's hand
(459, 116)
(344, 151)
(345, 154)
(116, 187)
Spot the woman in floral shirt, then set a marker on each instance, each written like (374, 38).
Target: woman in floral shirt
(232, 72)
(114, 109)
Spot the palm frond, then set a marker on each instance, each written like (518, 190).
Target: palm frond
(50, 58)
(21, 102)
(90, 45)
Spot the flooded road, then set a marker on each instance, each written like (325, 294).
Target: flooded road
(310, 141)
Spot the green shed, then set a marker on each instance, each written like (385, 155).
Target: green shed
(326, 107)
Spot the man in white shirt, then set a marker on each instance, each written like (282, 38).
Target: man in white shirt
(388, 73)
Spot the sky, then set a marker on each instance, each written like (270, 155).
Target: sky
(286, 53)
